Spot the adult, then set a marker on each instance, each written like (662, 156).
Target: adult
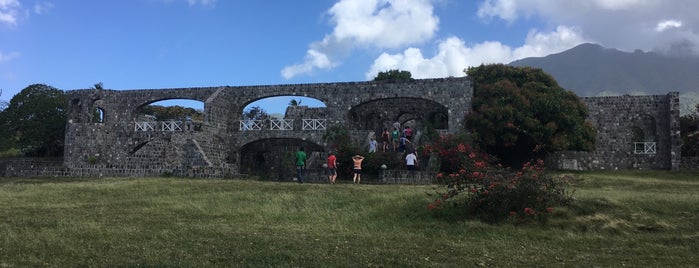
(372, 145)
(404, 141)
(411, 160)
(357, 160)
(332, 168)
(395, 136)
(300, 164)
(409, 133)
(385, 137)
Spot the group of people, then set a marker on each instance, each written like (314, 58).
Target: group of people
(410, 161)
(400, 140)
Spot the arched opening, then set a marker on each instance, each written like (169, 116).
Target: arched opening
(281, 107)
(418, 114)
(275, 158)
(98, 115)
(171, 109)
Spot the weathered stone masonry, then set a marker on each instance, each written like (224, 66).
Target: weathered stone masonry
(621, 121)
(117, 145)
(213, 147)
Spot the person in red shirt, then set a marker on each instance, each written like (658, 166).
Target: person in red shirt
(332, 168)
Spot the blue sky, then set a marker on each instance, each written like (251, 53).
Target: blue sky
(144, 44)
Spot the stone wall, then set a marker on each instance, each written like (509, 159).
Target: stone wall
(620, 122)
(118, 144)
(218, 148)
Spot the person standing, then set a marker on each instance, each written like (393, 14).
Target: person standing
(409, 133)
(372, 145)
(332, 168)
(385, 137)
(357, 160)
(395, 136)
(300, 164)
(411, 160)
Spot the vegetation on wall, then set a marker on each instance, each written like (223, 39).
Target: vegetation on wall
(394, 75)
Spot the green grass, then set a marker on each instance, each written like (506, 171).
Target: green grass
(637, 219)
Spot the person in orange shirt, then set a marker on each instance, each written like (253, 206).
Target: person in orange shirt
(357, 159)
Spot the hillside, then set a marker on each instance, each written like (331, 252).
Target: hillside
(592, 70)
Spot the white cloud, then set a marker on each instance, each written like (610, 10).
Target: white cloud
(368, 23)
(454, 55)
(8, 57)
(621, 24)
(8, 11)
(202, 2)
(43, 7)
(667, 24)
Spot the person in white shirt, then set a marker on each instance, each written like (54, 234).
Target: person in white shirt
(411, 160)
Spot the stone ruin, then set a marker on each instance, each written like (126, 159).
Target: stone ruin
(106, 136)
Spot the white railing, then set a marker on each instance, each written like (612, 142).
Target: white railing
(162, 126)
(144, 126)
(171, 126)
(281, 124)
(644, 147)
(313, 124)
(250, 124)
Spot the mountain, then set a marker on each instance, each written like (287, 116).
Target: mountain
(592, 70)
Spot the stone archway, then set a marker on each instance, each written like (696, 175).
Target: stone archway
(275, 158)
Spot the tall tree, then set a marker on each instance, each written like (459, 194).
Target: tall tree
(519, 113)
(35, 121)
(394, 75)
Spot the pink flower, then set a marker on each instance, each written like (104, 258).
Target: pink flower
(439, 175)
(461, 148)
(549, 210)
(472, 155)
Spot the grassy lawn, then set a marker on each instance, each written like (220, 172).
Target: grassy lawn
(636, 219)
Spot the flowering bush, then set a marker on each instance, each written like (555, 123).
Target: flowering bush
(490, 192)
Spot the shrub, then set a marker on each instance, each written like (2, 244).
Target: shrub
(485, 190)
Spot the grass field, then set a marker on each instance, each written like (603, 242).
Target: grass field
(636, 219)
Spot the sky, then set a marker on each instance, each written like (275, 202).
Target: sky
(151, 44)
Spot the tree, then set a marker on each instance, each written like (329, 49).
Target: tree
(393, 75)
(34, 121)
(176, 112)
(520, 113)
(255, 113)
(294, 102)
